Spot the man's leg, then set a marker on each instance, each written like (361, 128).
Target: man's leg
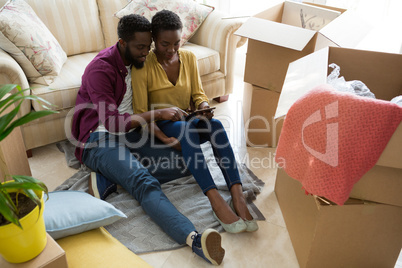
(107, 155)
(111, 158)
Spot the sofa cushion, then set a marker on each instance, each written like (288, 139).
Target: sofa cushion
(24, 36)
(191, 13)
(63, 91)
(208, 59)
(75, 24)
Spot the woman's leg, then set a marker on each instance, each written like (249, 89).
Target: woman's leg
(189, 137)
(227, 163)
(223, 151)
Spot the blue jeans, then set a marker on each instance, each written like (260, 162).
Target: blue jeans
(114, 157)
(195, 132)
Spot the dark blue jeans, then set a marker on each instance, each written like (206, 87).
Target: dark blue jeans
(195, 132)
(116, 157)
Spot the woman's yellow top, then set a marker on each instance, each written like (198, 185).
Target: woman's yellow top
(153, 90)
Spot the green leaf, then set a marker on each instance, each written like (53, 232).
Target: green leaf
(19, 97)
(44, 103)
(7, 211)
(6, 119)
(14, 100)
(7, 88)
(23, 120)
(22, 185)
(6, 195)
(21, 178)
(31, 194)
(11, 99)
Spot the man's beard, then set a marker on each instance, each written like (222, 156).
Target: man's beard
(137, 64)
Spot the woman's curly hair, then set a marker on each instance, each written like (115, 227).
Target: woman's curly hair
(165, 20)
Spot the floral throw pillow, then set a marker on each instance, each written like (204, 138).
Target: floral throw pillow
(192, 14)
(24, 36)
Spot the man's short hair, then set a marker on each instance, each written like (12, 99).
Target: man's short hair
(165, 20)
(130, 24)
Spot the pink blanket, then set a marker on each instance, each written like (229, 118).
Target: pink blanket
(330, 139)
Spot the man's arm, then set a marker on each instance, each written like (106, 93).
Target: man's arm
(172, 114)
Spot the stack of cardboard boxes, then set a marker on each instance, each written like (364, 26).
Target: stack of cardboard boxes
(276, 37)
(367, 230)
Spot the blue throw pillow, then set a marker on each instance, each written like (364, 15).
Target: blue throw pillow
(72, 212)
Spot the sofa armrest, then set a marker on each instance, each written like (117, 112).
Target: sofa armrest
(218, 34)
(12, 73)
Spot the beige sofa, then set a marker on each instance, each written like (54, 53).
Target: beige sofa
(83, 28)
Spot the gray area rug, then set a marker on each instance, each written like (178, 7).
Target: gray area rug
(139, 233)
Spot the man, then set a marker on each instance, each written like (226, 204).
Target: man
(106, 129)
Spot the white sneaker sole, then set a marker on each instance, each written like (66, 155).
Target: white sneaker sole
(92, 184)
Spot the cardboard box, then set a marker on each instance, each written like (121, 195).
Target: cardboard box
(53, 256)
(381, 72)
(259, 106)
(272, 45)
(357, 234)
(380, 184)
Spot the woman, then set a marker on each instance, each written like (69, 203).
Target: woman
(170, 78)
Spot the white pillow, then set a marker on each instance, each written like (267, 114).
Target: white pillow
(24, 36)
(72, 212)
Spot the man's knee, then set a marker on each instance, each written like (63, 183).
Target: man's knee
(145, 187)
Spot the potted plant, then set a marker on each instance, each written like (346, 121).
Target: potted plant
(22, 228)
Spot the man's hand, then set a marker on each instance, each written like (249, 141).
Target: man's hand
(173, 114)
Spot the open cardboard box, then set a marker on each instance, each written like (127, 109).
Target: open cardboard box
(272, 45)
(259, 106)
(381, 72)
(357, 234)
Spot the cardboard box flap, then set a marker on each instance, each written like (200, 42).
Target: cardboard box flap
(307, 16)
(391, 156)
(272, 32)
(347, 31)
(302, 76)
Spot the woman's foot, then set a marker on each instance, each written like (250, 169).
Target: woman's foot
(239, 206)
(251, 225)
(224, 214)
(241, 209)
(222, 210)
(234, 227)
(239, 203)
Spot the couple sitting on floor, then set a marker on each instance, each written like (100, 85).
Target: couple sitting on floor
(127, 87)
